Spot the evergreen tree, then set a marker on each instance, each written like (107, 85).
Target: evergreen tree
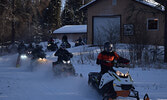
(20, 19)
(52, 14)
(71, 13)
(67, 16)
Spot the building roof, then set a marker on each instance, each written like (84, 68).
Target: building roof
(71, 29)
(152, 4)
(147, 3)
(89, 3)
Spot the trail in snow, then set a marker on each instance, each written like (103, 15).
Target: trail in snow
(40, 84)
(37, 81)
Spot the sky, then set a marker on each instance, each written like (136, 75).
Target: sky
(63, 3)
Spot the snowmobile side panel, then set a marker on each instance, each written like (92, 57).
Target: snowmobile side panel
(124, 93)
(105, 79)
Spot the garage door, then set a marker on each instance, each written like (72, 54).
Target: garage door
(106, 29)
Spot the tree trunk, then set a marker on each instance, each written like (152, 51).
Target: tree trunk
(165, 33)
(13, 22)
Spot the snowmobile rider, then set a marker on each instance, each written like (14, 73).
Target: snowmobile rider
(108, 57)
(38, 52)
(30, 46)
(21, 48)
(79, 42)
(65, 41)
(51, 41)
(63, 54)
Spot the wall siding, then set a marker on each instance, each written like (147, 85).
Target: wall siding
(124, 8)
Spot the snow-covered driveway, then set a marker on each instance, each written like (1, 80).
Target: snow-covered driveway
(40, 84)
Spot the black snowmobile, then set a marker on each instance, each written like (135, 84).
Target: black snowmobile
(78, 43)
(63, 67)
(29, 53)
(120, 82)
(52, 46)
(38, 54)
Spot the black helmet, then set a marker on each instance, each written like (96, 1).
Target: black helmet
(108, 46)
(64, 38)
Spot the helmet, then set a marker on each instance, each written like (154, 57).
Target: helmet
(64, 38)
(108, 47)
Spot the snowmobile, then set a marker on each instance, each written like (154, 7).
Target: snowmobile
(52, 46)
(78, 43)
(120, 82)
(21, 55)
(40, 56)
(63, 68)
(29, 53)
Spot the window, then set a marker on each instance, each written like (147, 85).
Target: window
(128, 29)
(152, 24)
(114, 2)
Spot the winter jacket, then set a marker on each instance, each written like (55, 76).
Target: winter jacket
(38, 53)
(21, 48)
(106, 60)
(63, 54)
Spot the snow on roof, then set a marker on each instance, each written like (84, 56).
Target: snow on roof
(72, 29)
(152, 4)
(87, 4)
(148, 3)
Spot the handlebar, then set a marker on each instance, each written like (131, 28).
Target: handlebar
(118, 64)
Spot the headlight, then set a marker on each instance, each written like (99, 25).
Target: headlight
(127, 74)
(68, 61)
(49, 44)
(29, 52)
(23, 56)
(119, 73)
(42, 59)
(64, 62)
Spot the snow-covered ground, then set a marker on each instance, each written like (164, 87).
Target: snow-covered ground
(37, 81)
